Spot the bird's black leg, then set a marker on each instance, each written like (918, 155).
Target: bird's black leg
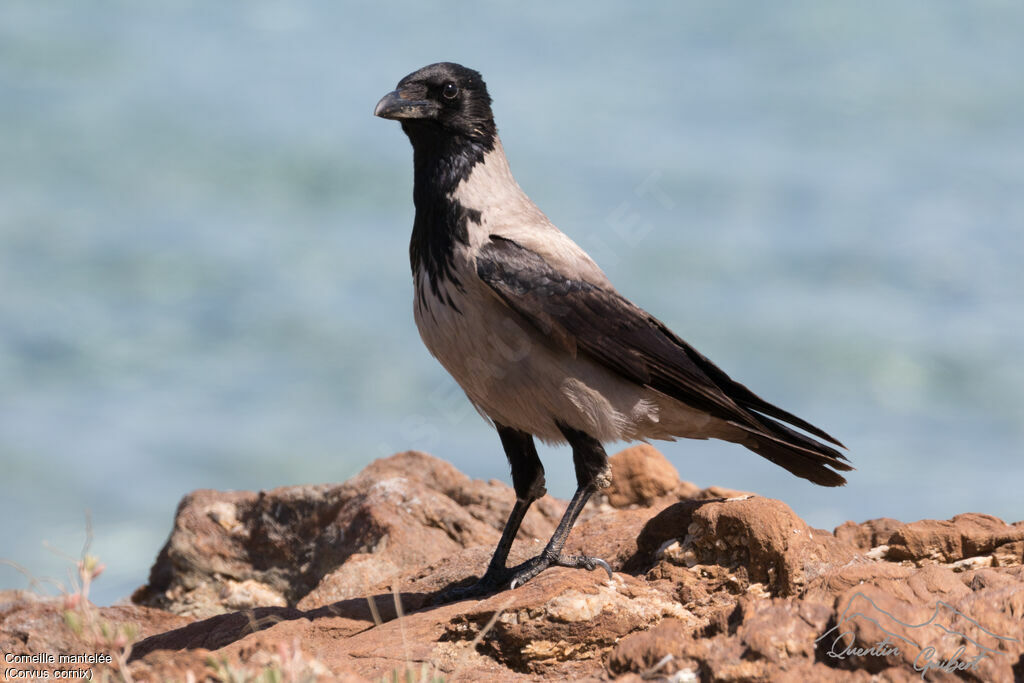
(528, 482)
(592, 473)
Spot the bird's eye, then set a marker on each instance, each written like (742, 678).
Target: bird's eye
(450, 91)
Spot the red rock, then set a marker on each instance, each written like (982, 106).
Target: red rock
(837, 580)
(642, 652)
(761, 538)
(1009, 554)
(564, 616)
(670, 649)
(33, 625)
(928, 616)
(869, 534)
(781, 631)
(964, 536)
(709, 585)
(640, 475)
(232, 550)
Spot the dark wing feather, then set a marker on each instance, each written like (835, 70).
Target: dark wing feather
(581, 317)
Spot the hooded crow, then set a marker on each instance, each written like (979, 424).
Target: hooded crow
(539, 339)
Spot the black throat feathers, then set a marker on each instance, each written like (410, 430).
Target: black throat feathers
(441, 161)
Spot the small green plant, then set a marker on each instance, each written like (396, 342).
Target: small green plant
(224, 672)
(426, 674)
(81, 616)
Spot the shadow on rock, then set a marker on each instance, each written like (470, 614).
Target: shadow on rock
(348, 617)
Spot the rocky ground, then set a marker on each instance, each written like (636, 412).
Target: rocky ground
(338, 582)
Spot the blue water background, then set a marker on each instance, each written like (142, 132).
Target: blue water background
(203, 242)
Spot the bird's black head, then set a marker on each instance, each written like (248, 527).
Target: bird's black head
(443, 102)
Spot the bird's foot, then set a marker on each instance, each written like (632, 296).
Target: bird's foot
(495, 581)
(529, 569)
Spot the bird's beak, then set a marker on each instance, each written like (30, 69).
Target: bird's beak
(396, 106)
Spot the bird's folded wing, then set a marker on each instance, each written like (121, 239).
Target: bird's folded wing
(579, 316)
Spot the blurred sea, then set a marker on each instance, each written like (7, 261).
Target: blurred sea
(203, 242)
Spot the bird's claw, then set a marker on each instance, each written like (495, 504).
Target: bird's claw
(598, 562)
(584, 562)
(514, 577)
(536, 565)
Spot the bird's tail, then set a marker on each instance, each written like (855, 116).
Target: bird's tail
(758, 425)
(800, 454)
